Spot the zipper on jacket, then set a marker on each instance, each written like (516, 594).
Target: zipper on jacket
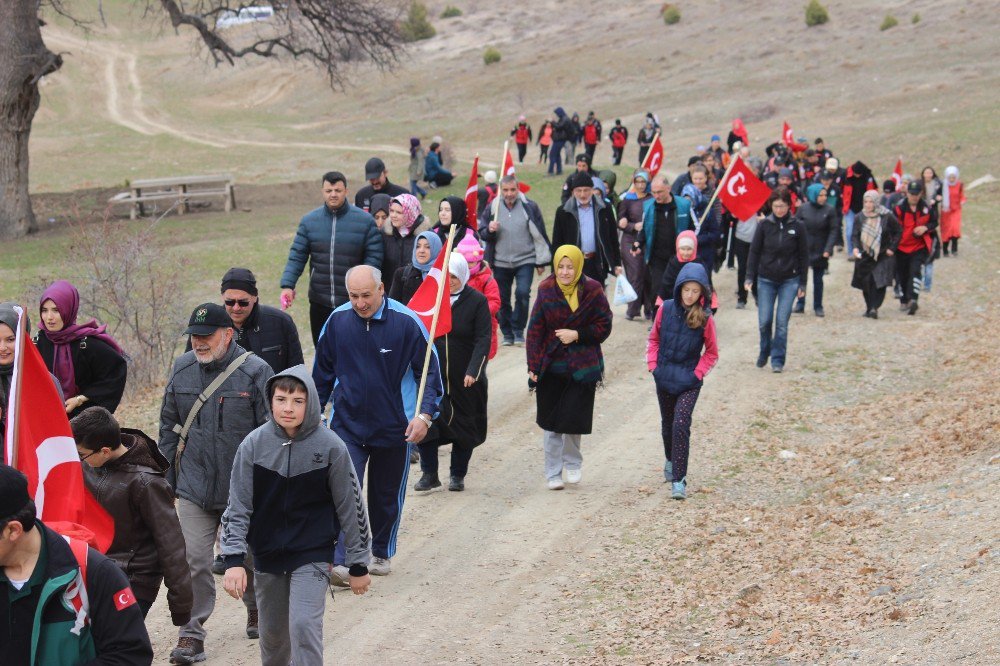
(222, 403)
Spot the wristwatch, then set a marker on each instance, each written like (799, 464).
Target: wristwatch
(426, 419)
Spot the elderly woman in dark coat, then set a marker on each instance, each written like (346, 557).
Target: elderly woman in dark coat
(876, 234)
(463, 352)
(569, 321)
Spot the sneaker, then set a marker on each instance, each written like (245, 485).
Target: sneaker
(556, 484)
(668, 471)
(819, 312)
(912, 310)
(456, 484)
(518, 339)
(340, 576)
(379, 566)
(414, 456)
(252, 630)
(573, 475)
(188, 651)
(427, 482)
(507, 342)
(741, 305)
(678, 489)
(777, 368)
(762, 360)
(219, 566)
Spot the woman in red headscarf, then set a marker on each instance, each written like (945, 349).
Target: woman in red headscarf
(86, 360)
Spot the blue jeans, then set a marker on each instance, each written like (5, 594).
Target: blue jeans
(416, 190)
(848, 230)
(769, 292)
(513, 322)
(555, 157)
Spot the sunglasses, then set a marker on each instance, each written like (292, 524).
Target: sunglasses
(243, 303)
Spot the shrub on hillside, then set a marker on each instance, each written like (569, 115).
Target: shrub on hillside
(416, 26)
(916, 19)
(888, 22)
(671, 14)
(816, 14)
(451, 11)
(491, 55)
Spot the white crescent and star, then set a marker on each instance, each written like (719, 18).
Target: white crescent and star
(739, 178)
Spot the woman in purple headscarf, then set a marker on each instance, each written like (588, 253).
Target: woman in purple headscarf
(86, 360)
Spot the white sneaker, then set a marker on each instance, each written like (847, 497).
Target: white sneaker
(574, 475)
(556, 484)
(379, 566)
(340, 576)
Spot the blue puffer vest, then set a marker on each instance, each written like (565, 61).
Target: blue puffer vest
(680, 345)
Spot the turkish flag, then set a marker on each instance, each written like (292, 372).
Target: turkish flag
(654, 158)
(425, 301)
(124, 598)
(40, 444)
(742, 193)
(507, 169)
(897, 174)
(788, 137)
(472, 196)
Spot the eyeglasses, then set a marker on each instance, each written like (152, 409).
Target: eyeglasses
(243, 303)
(83, 458)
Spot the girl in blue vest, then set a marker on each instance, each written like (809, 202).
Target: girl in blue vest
(682, 349)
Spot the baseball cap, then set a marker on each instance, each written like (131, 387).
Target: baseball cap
(915, 187)
(207, 318)
(374, 168)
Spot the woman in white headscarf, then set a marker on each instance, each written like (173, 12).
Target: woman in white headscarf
(952, 200)
(462, 352)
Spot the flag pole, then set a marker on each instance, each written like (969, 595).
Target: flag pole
(15, 389)
(503, 160)
(715, 194)
(434, 319)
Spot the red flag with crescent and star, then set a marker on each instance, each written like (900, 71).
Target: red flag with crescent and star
(654, 158)
(742, 193)
(507, 169)
(788, 137)
(425, 300)
(897, 175)
(472, 197)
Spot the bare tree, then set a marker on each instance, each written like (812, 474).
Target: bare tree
(328, 34)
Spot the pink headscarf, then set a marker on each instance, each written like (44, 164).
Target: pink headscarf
(67, 301)
(470, 248)
(411, 212)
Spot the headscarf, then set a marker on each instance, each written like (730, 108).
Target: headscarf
(609, 177)
(871, 226)
(686, 238)
(569, 291)
(470, 248)
(411, 212)
(379, 202)
(459, 267)
(642, 173)
(458, 214)
(812, 192)
(945, 194)
(436, 245)
(67, 300)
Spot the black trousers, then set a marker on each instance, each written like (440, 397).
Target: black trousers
(874, 296)
(589, 149)
(910, 273)
(742, 251)
(318, 314)
(616, 154)
(594, 269)
(522, 150)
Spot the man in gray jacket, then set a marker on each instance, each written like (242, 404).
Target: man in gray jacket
(201, 426)
(293, 490)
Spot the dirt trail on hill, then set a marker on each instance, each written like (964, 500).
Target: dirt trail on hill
(848, 550)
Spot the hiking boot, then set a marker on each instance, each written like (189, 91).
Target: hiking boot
(819, 312)
(252, 630)
(219, 566)
(188, 651)
(573, 475)
(379, 566)
(912, 310)
(427, 482)
(678, 489)
(456, 484)
(556, 484)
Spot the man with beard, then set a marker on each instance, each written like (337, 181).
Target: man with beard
(214, 398)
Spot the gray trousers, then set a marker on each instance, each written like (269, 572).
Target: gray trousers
(291, 615)
(561, 450)
(199, 528)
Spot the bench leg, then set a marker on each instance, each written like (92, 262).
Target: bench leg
(230, 199)
(182, 206)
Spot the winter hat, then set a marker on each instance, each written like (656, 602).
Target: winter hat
(580, 179)
(13, 492)
(715, 137)
(521, 119)
(889, 186)
(832, 164)
(470, 248)
(583, 157)
(240, 278)
(490, 177)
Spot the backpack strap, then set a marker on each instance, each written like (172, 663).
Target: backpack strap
(203, 397)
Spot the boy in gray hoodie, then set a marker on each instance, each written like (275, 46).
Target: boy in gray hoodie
(293, 490)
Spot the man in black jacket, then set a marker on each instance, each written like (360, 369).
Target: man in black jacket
(587, 222)
(378, 183)
(46, 618)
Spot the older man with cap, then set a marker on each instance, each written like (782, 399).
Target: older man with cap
(39, 595)
(266, 331)
(378, 183)
(588, 223)
(369, 358)
(214, 398)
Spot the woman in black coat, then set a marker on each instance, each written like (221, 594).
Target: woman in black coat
(463, 353)
(408, 278)
(876, 234)
(820, 221)
(404, 216)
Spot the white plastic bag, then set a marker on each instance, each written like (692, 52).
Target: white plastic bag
(624, 293)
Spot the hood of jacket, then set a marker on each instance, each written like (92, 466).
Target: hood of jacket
(313, 412)
(692, 271)
(142, 454)
(609, 177)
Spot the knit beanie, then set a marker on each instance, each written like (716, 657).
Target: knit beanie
(240, 278)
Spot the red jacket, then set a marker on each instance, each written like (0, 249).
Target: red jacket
(591, 135)
(619, 135)
(909, 220)
(484, 283)
(522, 133)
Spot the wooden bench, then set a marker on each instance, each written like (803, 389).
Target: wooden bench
(177, 191)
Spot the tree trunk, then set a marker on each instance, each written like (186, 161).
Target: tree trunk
(23, 61)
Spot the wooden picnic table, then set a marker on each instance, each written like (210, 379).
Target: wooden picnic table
(178, 190)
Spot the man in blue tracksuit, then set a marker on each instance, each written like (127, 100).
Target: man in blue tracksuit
(370, 357)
